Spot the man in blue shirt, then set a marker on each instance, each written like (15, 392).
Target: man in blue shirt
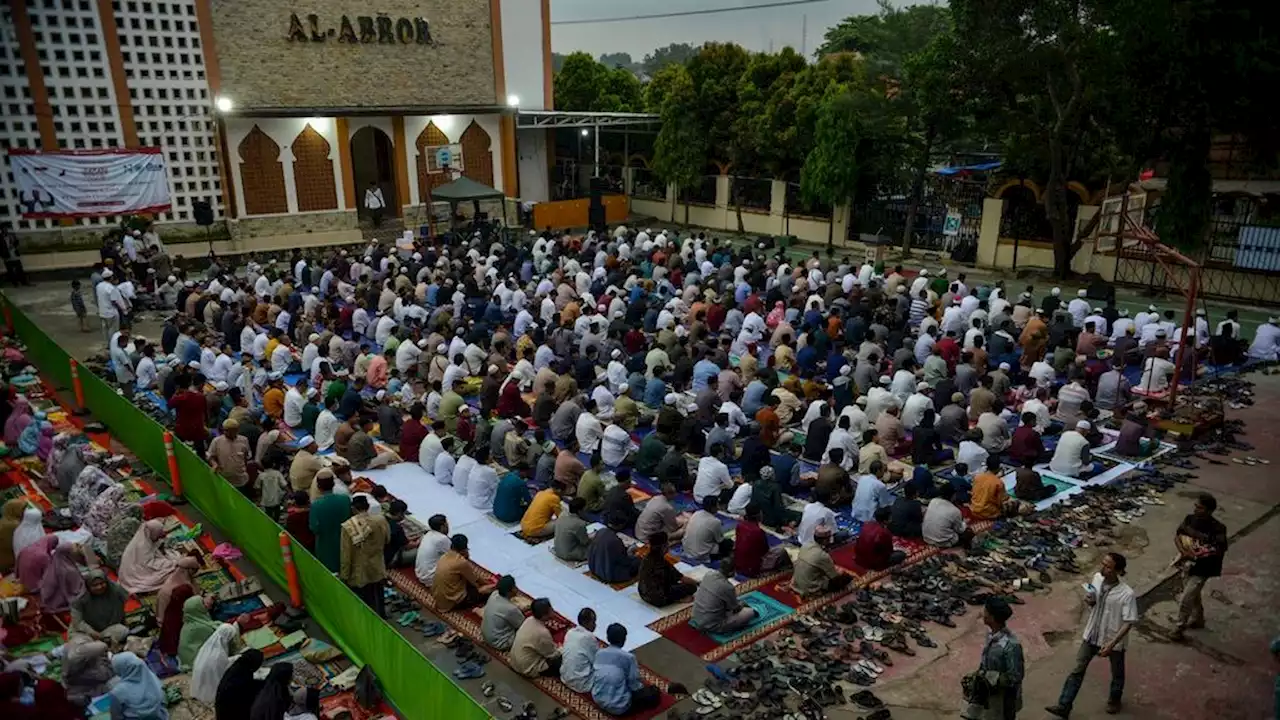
(655, 389)
(703, 370)
(871, 494)
(753, 397)
(615, 678)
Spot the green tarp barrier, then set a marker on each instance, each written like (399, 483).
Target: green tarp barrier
(417, 689)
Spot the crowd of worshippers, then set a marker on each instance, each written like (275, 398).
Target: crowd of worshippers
(740, 359)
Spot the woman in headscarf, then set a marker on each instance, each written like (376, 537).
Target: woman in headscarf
(184, 576)
(29, 531)
(211, 662)
(145, 566)
(91, 482)
(197, 626)
(58, 449)
(29, 438)
(171, 620)
(238, 689)
(67, 466)
(61, 584)
(138, 694)
(104, 508)
(34, 560)
(776, 315)
(10, 519)
(45, 443)
(18, 421)
(275, 699)
(99, 612)
(120, 531)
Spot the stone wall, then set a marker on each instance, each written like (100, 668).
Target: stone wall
(268, 225)
(90, 237)
(267, 63)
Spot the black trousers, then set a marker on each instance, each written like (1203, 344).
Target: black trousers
(372, 596)
(645, 698)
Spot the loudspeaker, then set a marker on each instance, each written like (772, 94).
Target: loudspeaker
(595, 216)
(203, 212)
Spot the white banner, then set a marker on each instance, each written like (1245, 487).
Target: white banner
(90, 183)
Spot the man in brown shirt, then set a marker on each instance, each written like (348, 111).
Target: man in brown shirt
(229, 454)
(342, 436)
(832, 480)
(569, 468)
(457, 583)
(534, 651)
(363, 568)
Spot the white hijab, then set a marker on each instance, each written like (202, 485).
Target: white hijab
(211, 663)
(28, 531)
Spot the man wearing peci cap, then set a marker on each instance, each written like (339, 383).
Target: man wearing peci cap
(229, 455)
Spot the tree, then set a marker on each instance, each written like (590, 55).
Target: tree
(752, 150)
(586, 85)
(830, 171)
(680, 150)
(675, 53)
(1034, 68)
(617, 60)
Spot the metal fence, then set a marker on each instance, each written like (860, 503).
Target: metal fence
(753, 193)
(646, 185)
(703, 192)
(571, 180)
(884, 219)
(798, 205)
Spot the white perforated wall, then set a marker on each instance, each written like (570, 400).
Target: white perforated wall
(17, 117)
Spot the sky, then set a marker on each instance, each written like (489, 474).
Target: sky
(753, 29)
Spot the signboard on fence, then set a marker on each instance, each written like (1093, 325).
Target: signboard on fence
(90, 183)
(951, 226)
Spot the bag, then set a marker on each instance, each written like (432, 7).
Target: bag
(776, 559)
(368, 694)
(975, 688)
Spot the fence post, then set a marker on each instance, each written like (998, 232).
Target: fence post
(290, 570)
(174, 479)
(75, 383)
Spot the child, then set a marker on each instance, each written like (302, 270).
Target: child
(272, 488)
(77, 304)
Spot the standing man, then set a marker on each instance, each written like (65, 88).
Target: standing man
(363, 566)
(374, 202)
(1202, 543)
(109, 305)
(997, 685)
(11, 256)
(1115, 612)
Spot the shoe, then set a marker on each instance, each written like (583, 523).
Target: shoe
(468, 671)
(1058, 711)
(1113, 708)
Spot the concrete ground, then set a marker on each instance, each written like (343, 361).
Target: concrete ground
(1224, 671)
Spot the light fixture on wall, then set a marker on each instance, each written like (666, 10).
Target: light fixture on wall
(585, 132)
(223, 104)
(513, 100)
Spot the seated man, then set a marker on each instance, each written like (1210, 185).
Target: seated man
(501, 616)
(989, 499)
(1135, 436)
(533, 651)
(1030, 486)
(539, 520)
(995, 431)
(716, 607)
(944, 524)
(815, 571)
(608, 557)
(1027, 445)
(615, 678)
(750, 544)
(457, 584)
(1072, 457)
(659, 515)
(871, 494)
(907, 515)
(511, 499)
(660, 583)
(571, 541)
(704, 535)
(618, 501)
(926, 442)
(874, 547)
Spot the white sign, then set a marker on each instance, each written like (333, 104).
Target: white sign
(90, 183)
(951, 226)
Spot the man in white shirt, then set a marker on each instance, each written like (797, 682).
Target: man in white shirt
(944, 524)
(1121, 326)
(1156, 373)
(1114, 613)
(408, 354)
(374, 202)
(327, 425)
(454, 373)
(615, 445)
(282, 356)
(913, 409)
(294, 399)
(713, 478)
(578, 654)
(382, 331)
(816, 514)
(1079, 307)
(435, 543)
(1266, 341)
(109, 305)
(146, 370)
(1071, 457)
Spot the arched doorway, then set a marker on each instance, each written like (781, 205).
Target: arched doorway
(373, 161)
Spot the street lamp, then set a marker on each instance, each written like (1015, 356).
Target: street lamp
(513, 100)
(223, 104)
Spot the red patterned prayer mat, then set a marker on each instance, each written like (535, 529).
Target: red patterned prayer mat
(467, 623)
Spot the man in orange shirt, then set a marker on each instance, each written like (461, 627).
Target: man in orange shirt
(989, 500)
(539, 519)
(771, 433)
(273, 397)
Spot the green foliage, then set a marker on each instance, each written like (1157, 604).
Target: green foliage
(830, 172)
(680, 151)
(673, 54)
(617, 60)
(586, 85)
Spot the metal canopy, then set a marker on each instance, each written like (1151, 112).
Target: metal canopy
(554, 119)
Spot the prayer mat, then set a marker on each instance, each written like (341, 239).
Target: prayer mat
(768, 609)
(530, 541)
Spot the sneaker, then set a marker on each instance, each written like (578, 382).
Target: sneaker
(1058, 711)
(468, 671)
(1113, 708)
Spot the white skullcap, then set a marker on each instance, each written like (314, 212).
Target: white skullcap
(404, 270)
(1161, 333)
(193, 364)
(1083, 425)
(107, 273)
(922, 386)
(671, 399)
(623, 387)
(312, 392)
(1026, 295)
(862, 400)
(885, 379)
(680, 331)
(315, 289)
(380, 394)
(367, 258)
(275, 375)
(422, 342)
(1152, 308)
(1056, 291)
(442, 348)
(691, 407)
(341, 373)
(924, 273)
(173, 278)
(1082, 292)
(1200, 313)
(902, 289)
(313, 337)
(616, 353)
(221, 386)
(1004, 366)
(189, 283)
(493, 369)
(151, 271)
(846, 370)
(417, 256)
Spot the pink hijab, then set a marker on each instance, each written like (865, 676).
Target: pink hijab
(62, 582)
(776, 315)
(18, 421)
(144, 567)
(34, 559)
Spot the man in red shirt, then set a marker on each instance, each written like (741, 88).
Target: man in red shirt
(949, 349)
(750, 544)
(1026, 445)
(874, 548)
(412, 433)
(189, 409)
